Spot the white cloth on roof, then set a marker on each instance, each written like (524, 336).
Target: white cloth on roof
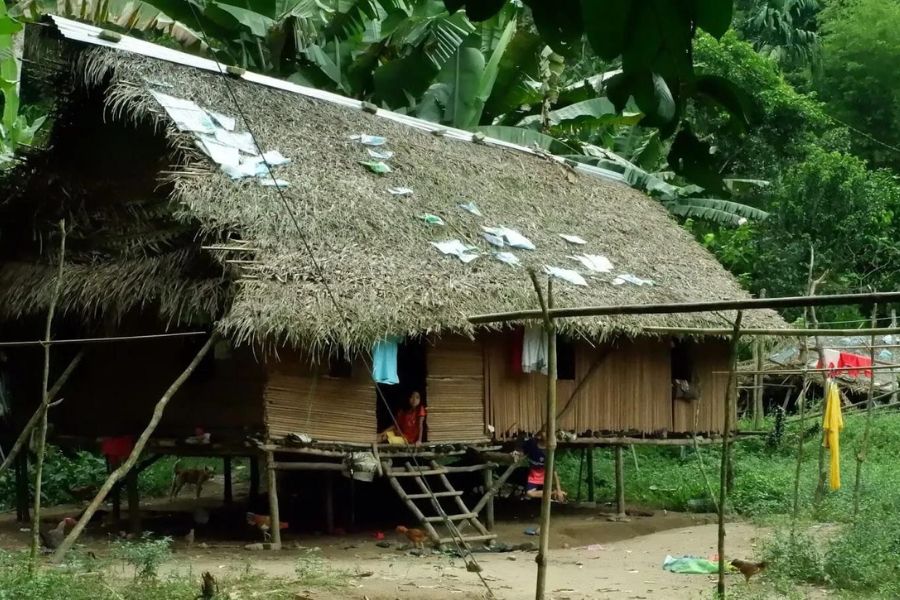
(511, 236)
(458, 249)
(507, 257)
(594, 262)
(573, 239)
(632, 279)
(573, 277)
(831, 359)
(534, 350)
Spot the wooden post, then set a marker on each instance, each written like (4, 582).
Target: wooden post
(620, 483)
(730, 398)
(801, 402)
(41, 449)
(272, 484)
(254, 479)
(489, 507)
(590, 474)
(758, 361)
(864, 445)
(116, 503)
(329, 502)
(23, 514)
(226, 472)
(895, 386)
(549, 436)
(134, 502)
(139, 445)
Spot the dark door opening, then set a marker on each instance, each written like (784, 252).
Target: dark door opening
(412, 365)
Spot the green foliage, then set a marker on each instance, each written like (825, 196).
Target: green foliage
(145, 555)
(784, 31)
(859, 78)
(795, 556)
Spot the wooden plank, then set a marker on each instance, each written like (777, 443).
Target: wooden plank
(469, 538)
(443, 518)
(435, 495)
(414, 473)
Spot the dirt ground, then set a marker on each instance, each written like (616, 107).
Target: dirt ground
(591, 557)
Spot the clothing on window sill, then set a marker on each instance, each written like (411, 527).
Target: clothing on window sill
(384, 361)
(534, 350)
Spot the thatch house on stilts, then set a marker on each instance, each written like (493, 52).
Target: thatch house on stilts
(380, 229)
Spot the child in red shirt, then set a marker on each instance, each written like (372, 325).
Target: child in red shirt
(410, 420)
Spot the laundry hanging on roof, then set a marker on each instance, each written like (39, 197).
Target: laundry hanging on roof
(384, 361)
(832, 424)
(845, 363)
(534, 350)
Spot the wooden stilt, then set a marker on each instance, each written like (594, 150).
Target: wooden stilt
(581, 460)
(117, 503)
(591, 493)
(23, 510)
(254, 479)
(620, 483)
(226, 472)
(274, 516)
(134, 503)
(489, 508)
(352, 503)
(329, 502)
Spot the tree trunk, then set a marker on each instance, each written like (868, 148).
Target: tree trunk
(726, 447)
(801, 401)
(41, 449)
(117, 474)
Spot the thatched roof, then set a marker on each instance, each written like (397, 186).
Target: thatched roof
(373, 249)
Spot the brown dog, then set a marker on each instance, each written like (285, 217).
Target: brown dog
(195, 477)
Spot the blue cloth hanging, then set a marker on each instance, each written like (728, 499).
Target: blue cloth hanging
(384, 361)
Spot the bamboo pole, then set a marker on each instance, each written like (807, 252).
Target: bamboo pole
(724, 333)
(36, 417)
(726, 448)
(620, 484)
(690, 307)
(864, 446)
(123, 469)
(801, 401)
(45, 404)
(549, 437)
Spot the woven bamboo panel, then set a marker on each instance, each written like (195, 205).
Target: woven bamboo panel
(455, 390)
(708, 409)
(302, 398)
(630, 391)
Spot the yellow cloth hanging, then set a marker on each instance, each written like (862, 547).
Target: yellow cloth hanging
(832, 424)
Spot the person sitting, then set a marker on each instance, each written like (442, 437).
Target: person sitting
(535, 451)
(410, 422)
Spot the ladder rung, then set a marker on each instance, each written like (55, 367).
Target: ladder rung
(471, 538)
(398, 473)
(434, 495)
(461, 517)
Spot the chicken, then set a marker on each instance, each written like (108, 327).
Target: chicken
(416, 536)
(52, 538)
(747, 568)
(263, 523)
(189, 538)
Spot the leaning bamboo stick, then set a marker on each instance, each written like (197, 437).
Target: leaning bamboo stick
(726, 447)
(33, 421)
(45, 403)
(120, 472)
(864, 446)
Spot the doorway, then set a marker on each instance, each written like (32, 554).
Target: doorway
(412, 371)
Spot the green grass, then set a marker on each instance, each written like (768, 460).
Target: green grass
(859, 558)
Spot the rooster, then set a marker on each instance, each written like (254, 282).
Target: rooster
(416, 536)
(747, 568)
(52, 538)
(263, 523)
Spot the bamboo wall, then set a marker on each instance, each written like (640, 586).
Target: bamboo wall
(630, 392)
(708, 409)
(114, 389)
(456, 390)
(301, 397)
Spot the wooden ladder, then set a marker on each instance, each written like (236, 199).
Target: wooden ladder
(453, 520)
